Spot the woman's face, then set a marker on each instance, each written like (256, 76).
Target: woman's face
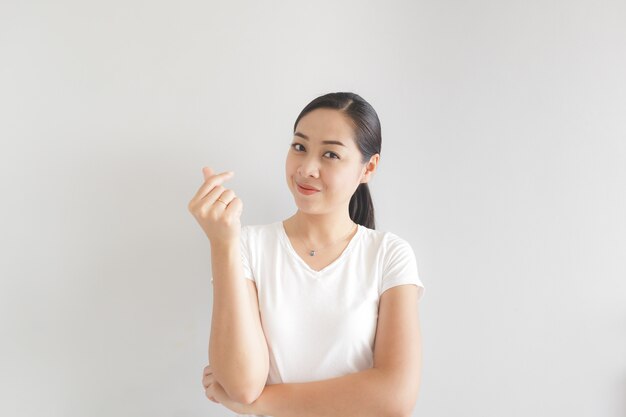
(333, 169)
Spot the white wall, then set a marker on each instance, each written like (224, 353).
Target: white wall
(503, 164)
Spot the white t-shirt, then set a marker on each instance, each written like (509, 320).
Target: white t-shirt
(321, 324)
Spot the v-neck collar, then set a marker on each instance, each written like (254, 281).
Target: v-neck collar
(289, 246)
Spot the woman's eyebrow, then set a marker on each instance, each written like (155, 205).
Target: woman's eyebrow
(330, 142)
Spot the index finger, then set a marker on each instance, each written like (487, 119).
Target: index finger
(211, 182)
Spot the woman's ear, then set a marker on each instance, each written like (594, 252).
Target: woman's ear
(370, 168)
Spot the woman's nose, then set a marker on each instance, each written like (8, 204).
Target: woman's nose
(309, 167)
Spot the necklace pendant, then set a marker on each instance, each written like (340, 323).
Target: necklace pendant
(312, 253)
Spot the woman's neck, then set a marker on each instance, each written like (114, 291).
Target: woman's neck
(319, 229)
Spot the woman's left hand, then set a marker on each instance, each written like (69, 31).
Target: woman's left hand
(216, 393)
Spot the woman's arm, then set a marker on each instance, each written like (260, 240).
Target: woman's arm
(372, 392)
(390, 388)
(238, 353)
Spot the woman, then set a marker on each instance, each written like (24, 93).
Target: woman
(325, 323)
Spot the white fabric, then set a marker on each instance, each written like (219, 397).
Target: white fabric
(321, 324)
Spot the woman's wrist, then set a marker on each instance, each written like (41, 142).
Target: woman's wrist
(224, 245)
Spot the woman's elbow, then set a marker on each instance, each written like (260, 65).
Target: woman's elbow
(406, 393)
(250, 394)
(406, 409)
(249, 390)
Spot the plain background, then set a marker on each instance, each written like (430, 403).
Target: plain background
(503, 164)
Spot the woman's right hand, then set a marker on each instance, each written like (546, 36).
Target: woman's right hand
(220, 222)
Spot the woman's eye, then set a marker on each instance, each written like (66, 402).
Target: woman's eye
(294, 146)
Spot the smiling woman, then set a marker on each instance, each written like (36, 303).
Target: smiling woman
(329, 319)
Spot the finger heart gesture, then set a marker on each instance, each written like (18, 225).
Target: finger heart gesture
(216, 208)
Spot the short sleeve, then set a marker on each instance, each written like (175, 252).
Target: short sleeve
(245, 253)
(400, 265)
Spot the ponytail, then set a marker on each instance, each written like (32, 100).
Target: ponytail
(361, 207)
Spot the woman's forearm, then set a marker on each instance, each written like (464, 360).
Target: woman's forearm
(238, 353)
(371, 392)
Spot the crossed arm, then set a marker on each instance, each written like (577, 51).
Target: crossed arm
(389, 389)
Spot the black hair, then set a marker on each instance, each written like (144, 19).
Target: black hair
(368, 139)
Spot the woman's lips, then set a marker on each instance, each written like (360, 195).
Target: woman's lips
(305, 191)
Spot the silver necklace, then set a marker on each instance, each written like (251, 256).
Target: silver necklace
(312, 252)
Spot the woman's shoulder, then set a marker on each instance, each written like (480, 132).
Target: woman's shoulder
(383, 238)
(260, 230)
(388, 246)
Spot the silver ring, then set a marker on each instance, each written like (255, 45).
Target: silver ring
(226, 204)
